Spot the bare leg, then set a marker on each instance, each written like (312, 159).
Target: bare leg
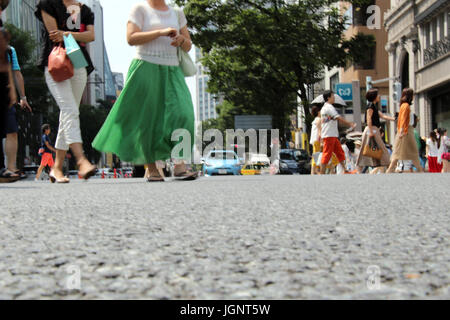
(59, 162)
(39, 172)
(154, 171)
(343, 166)
(11, 146)
(417, 164)
(84, 166)
(323, 168)
(392, 166)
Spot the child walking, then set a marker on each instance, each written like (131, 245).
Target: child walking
(47, 157)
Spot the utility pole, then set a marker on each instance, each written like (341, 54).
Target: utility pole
(357, 104)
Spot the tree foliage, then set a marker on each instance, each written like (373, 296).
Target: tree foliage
(262, 54)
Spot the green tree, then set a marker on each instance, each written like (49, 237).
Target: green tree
(263, 54)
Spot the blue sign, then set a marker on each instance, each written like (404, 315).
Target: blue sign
(345, 91)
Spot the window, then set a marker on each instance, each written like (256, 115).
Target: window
(427, 35)
(434, 30)
(348, 16)
(360, 15)
(368, 63)
(441, 24)
(219, 155)
(448, 24)
(334, 79)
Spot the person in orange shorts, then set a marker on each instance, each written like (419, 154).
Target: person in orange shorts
(45, 151)
(330, 133)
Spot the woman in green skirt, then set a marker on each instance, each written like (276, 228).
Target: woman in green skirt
(155, 100)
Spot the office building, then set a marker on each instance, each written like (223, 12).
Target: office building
(206, 103)
(95, 89)
(419, 57)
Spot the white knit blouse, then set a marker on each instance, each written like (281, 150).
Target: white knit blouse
(158, 51)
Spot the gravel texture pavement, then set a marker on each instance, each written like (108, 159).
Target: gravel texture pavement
(266, 237)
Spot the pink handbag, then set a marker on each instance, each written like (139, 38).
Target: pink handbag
(59, 65)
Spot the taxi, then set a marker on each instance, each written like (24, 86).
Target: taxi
(251, 169)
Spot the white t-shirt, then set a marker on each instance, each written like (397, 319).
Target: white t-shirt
(329, 122)
(433, 148)
(158, 51)
(315, 130)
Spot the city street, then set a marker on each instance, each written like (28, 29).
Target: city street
(266, 237)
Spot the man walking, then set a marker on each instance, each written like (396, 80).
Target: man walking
(330, 133)
(7, 94)
(12, 128)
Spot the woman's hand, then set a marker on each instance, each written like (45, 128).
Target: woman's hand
(56, 36)
(169, 32)
(178, 40)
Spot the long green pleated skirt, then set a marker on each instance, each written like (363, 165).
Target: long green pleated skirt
(153, 104)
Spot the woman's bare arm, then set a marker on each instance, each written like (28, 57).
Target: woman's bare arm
(86, 36)
(385, 117)
(187, 45)
(56, 35)
(49, 22)
(135, 36)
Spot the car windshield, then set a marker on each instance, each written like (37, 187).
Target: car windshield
(298, 155)
(295, 155)
(221, 155)
(286, 156)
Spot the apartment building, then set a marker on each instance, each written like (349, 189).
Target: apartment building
(419, 56)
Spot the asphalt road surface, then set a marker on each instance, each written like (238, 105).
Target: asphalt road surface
(266, 237)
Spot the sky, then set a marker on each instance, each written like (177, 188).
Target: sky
(115, 15)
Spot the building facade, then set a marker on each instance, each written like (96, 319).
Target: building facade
(21, 14)
(95, 88)
(206, 103)
(119, 82)
(419, 57)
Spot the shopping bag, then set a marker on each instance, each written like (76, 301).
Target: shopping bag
(74, 52)
(371, 150)
(59, 65)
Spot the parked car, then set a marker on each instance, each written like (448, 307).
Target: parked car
(294, 161)
(221, 162)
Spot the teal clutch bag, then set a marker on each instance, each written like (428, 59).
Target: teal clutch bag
(74, 52)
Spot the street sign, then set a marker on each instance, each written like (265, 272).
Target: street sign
(345, 91)
(368, 83)
(384, 103)
(397, 91)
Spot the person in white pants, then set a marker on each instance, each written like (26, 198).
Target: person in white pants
(68, 93)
